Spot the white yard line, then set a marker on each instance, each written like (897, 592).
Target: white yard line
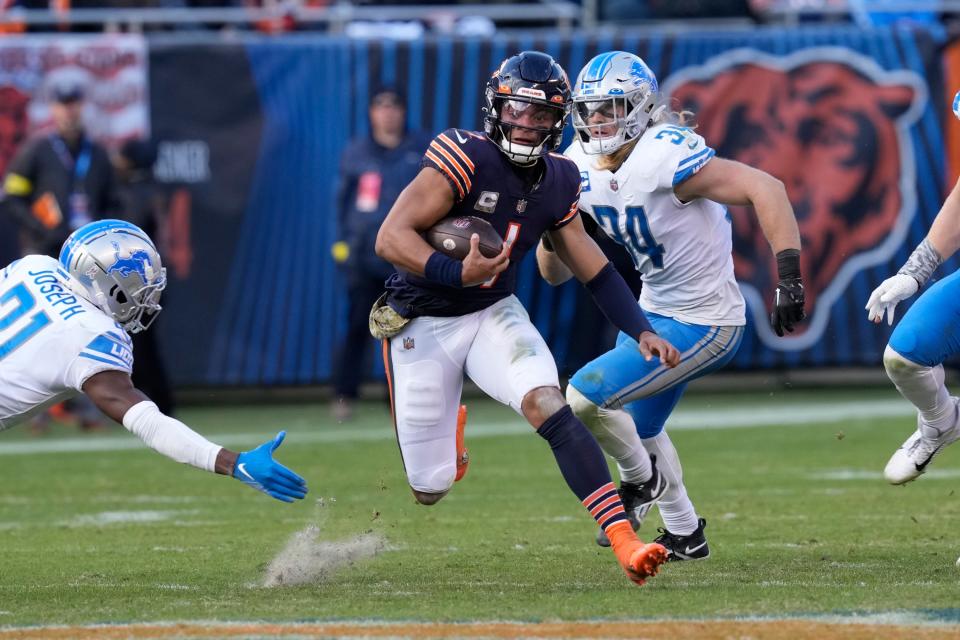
(787, 415)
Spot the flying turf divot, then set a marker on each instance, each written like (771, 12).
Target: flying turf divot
(308, 560)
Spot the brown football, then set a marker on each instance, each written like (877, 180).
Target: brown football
(451, 236)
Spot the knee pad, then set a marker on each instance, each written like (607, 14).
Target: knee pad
(898, 367)
(582, 406)
(421, 396)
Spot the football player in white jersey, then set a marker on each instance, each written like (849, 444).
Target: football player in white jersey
(64, 330)
(655, 187)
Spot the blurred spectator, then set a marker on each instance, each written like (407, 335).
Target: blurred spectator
(59, 181)
(142, 202)
(374, 169)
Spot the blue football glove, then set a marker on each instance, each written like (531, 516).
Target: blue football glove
(258, 469)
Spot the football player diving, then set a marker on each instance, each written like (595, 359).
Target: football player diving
(64, 330)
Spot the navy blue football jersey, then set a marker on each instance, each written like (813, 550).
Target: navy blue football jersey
(521, 203)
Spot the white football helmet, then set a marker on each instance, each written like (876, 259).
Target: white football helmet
(615, 98)
(119, 269)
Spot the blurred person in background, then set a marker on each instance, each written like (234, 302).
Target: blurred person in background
(67, 332)
(57, 182)
(656, 187)
(142, 202)
(374, 169)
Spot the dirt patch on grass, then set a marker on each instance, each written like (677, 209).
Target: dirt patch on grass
(639, 630)
(308, 560)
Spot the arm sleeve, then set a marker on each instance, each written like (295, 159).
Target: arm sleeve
(449, 153)
(170, 437)
(616, 301)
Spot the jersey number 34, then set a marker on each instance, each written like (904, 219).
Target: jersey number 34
(636, 236)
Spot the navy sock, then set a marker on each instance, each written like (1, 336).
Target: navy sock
(583, 466)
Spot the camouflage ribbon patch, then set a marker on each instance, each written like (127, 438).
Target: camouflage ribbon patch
(384, 321)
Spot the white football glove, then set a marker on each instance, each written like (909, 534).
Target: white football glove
(885, 298)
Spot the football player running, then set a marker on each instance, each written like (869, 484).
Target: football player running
(64, 330)
(442, 318)
(927, 335)
(655, 187)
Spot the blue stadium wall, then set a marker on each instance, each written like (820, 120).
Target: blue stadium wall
(263, 304)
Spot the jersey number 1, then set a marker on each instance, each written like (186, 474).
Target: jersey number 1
(637, 223)
(24, 301)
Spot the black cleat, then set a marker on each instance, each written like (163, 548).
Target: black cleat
(637, 500)
(689, 547)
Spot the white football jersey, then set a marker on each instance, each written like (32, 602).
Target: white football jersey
(683, 251)
(51, 340)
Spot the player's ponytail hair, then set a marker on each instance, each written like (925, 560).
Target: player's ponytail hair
(662, 114)
(612, 162)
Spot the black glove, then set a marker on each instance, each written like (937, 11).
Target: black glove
(788, 299)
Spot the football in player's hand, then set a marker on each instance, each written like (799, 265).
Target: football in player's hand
(451, 236)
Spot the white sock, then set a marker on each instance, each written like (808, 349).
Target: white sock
(615, 431)
(679, 516)
(923, 387)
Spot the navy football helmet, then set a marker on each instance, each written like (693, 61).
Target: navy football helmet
(527, 102)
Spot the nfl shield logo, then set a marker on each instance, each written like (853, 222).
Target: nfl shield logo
(521, 205)
(613, 184)
(408, 343)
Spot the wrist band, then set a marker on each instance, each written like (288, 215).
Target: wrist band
(788, 264)
(922, 262)
(443, 269)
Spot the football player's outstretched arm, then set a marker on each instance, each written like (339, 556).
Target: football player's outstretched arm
(942, 241)
(424, 201)
(114, 394)
(589, 265)
(730, 182)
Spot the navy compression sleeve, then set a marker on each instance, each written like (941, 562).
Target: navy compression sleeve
(613, 296)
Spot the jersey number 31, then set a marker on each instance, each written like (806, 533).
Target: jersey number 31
(23, 302)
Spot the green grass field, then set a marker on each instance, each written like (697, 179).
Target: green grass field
(799, 522)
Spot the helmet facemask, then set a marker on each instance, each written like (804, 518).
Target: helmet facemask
(606, 123)
(502, 126)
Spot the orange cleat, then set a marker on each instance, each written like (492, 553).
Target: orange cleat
(463, 458)
(639, 560)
